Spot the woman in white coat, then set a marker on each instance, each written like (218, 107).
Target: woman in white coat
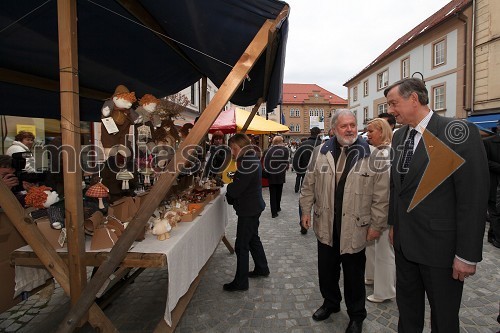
(380, 267)
(23, 144)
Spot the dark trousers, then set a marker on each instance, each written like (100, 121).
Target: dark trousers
(248, 241)
(299, 178)
(275, 191)
(494, 215)
(413, 281)
(329, 261)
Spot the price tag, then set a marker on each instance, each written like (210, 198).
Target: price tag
(62, 237)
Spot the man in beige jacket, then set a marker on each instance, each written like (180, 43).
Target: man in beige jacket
(347, 190)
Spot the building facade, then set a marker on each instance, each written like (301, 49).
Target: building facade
(486, 83)
(438, 50)
(308, 105)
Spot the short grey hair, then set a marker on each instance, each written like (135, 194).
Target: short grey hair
(340, 112)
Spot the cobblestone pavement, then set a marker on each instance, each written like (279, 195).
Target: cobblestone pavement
(282, 302)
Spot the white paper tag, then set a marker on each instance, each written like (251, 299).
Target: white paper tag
(62, 237)
(110, 125)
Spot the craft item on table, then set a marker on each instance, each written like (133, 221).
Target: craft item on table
(125, 176)
(172, 217)
(98, 191)
(115, 225)
(43, 197)
(161, 228)
(93, 222)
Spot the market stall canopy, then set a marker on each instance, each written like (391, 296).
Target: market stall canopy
(233, 120)
(150, 46)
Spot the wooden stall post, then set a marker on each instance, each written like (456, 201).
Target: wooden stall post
(70, 130)
(118, 252)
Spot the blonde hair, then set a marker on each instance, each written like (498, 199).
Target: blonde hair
(277, 140)
(241, 140)
(383, 126)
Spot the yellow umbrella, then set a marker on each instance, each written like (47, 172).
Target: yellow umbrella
(259, 125)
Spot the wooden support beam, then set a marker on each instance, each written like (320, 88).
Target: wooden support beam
(70, 124)
(32, 81)
(162, 186)
(48, 256)
(251, 115)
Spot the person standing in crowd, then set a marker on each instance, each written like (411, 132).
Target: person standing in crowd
(7, 172)
(23, 142)
(245, 194)
(303, 155)
(380, 265)
(492, 146)
(276, 164)
(390, 119)
(301, 161)
(437, 240)
(349, 199)
(218, 155)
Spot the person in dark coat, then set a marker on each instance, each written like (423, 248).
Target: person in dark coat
(301, 161)
(218, 155)
(492, 146)
(437, 222)
(276, 164)
(303, 155)
(245, 194)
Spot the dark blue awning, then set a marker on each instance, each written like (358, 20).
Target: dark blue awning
(114, 49)
(487, 121)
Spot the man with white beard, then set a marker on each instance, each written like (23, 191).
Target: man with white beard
(349, 196)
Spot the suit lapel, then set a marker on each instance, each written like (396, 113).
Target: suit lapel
(420, 158)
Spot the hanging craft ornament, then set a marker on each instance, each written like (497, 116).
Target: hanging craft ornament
(98, 191)
(125, 176)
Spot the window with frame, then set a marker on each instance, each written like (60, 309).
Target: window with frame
(439, 98)
(383, 79)
(311, 112)
(405, 68)
(355, 94)
(292, 112)
(382, 108)
(439, 53)
(291, 127)
(297, 128)
(297, 112)
(193, 95)
(365, 114)
(365, 88)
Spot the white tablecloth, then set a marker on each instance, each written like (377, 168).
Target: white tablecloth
(190, 246)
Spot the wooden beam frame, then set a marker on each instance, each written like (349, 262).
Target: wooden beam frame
(48, 256)
(118, 252)
(28, 80)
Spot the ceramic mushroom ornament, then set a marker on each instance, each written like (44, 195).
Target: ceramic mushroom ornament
(98, 191)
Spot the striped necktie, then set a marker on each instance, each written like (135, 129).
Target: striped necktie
(407, 154)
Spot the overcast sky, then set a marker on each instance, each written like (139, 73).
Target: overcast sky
(331, 41)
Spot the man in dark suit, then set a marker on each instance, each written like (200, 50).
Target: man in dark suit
(492, 146)
(276, 164)
(439, 191)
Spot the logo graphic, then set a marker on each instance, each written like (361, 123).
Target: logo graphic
(443, 162)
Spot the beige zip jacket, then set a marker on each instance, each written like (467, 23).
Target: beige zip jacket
(365, 203)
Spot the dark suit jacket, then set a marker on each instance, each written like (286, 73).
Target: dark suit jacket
(451, 219)
(492, 146)
(276, 161)
(245, 192)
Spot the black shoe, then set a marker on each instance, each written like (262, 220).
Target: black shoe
(233, 287)
(274, 215)
(279, 209)
(495, 243)
(254, 274)
(354, 327)
(324, 312)
(303, 230)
